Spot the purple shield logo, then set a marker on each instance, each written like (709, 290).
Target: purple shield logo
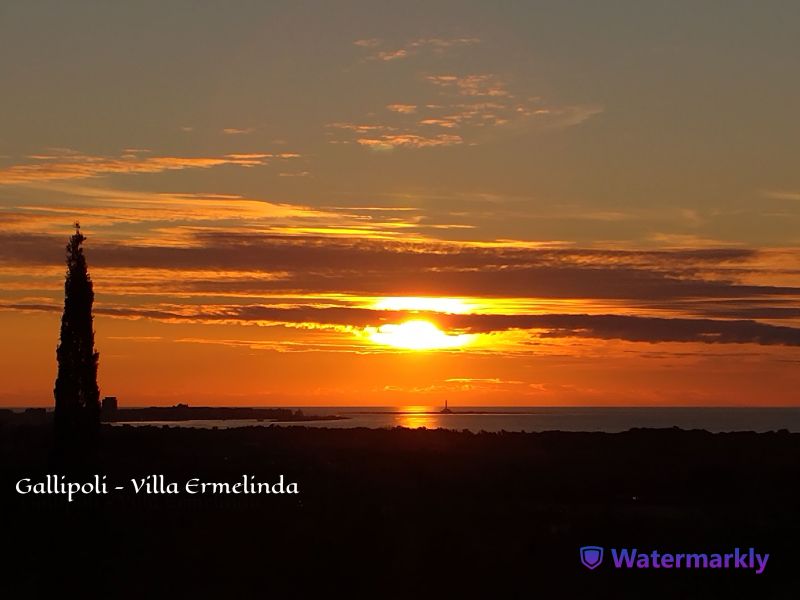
(591, 556)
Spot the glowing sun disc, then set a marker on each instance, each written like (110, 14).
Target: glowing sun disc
(417, 335)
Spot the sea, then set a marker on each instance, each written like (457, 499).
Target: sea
(496, 419)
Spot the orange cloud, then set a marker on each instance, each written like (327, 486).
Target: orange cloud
(448, 123)
(409, 140)
(473, 104)
(392, 55)
(70, 164)
(237, 130)
(471, 85)
(415, 46)
(405, 109)
(360, 128)
(368, 43)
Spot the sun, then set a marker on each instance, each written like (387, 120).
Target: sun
(417, 335)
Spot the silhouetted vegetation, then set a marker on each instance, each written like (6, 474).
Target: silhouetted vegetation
(77, 396)
(408, 513)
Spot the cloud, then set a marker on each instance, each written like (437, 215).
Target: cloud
(471, 85)
(781, 195)
(760, 309)
(387, 137)
(629, 328)
(447, 123)
(391, 54)
(603, 327)
(443, 43)
(406, 109)
(412, 47)
(479, 106)
(70, 164)
(162, 219)
(408, 140)
(357, 261)
(290, 266)
(249, 156)
(495, 380)
(368, 43)
(238, 131)
(567, 116)
(684, 240)
(360, 127)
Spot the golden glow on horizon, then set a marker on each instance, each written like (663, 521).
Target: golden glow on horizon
(414, 417)
(417, 420)
(417, 335)
(415, 409)
(444, 305)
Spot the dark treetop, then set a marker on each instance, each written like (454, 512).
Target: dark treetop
(76, 392)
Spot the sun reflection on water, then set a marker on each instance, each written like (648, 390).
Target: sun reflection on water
(415, 417)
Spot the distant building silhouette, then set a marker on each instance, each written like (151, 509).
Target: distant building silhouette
(109, 404)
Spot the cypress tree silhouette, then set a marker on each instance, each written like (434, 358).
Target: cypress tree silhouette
(77, 396)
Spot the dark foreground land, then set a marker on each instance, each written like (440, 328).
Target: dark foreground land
(404, 513)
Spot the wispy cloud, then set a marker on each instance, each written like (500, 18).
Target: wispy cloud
(408, 140)
(472, 107)
(391, 54)
(548, 326)
(565, 116)
(447, 123)
(361, 127)
(471, 85)
(406, 109)
(781, 195)
(387, 137)
(238, 131)
(368, 43)
(384, 52)
(171, 219)
(320, 263)
(65, 164)
(227, 260)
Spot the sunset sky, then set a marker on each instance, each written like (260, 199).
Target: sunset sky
(572, 203)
